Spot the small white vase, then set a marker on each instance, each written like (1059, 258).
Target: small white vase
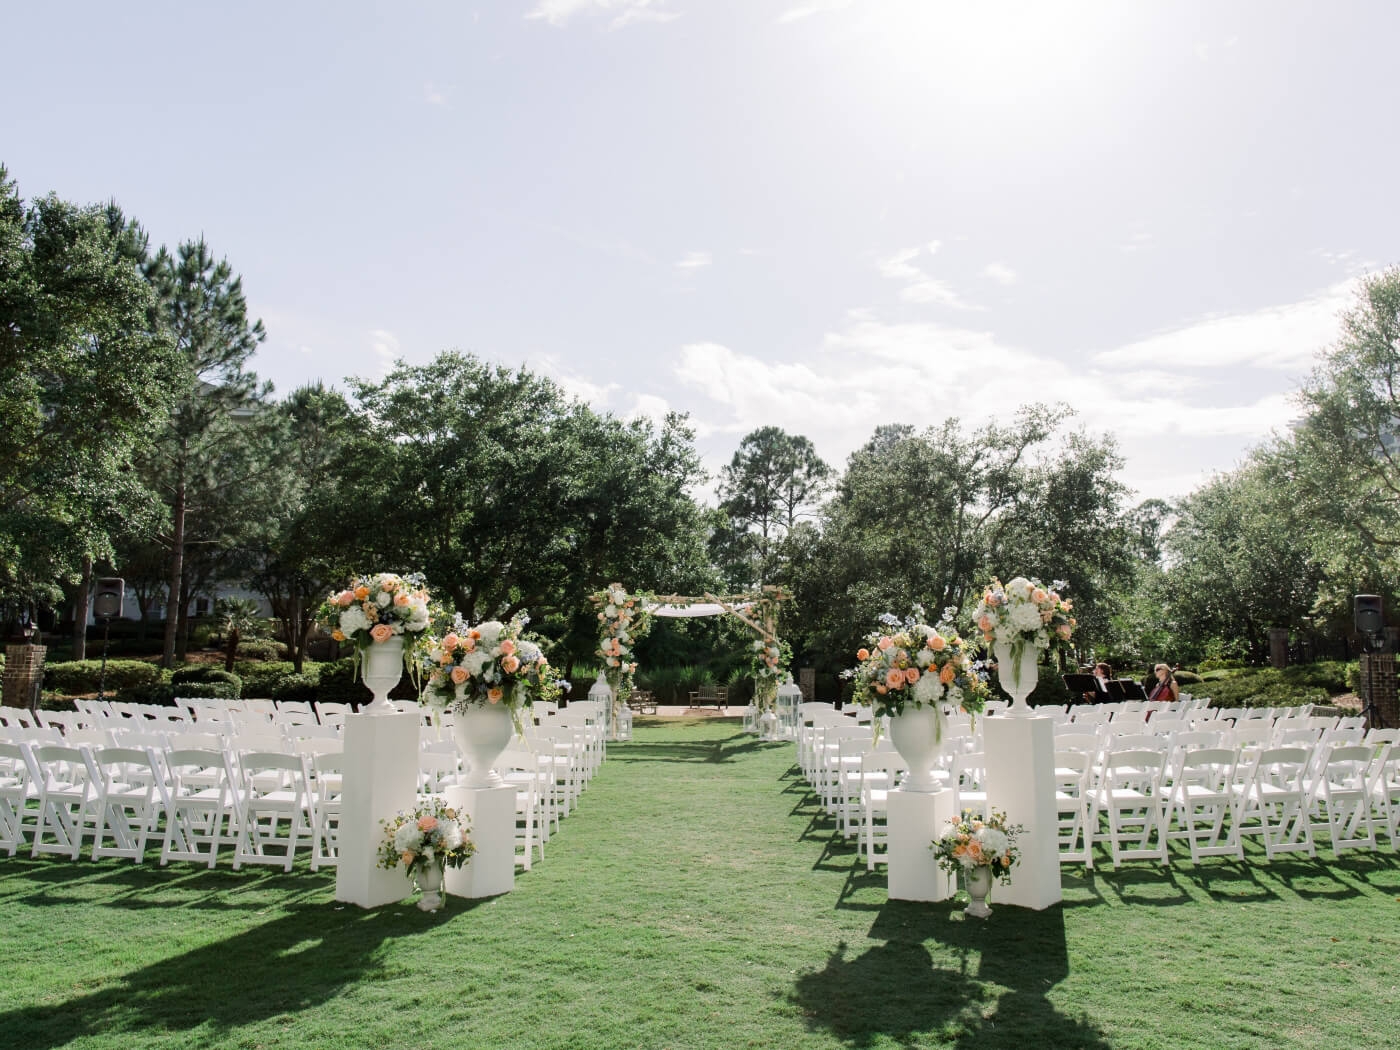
(916, 736)
(482, 732)
(429, 879)
(978, 882)
(1018, 677)
(382, 669)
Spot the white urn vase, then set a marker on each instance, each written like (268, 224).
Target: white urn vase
(429, 879)
(978, 882)
(382, 669)
(1017, 675)
(916, 735)
(482, 732)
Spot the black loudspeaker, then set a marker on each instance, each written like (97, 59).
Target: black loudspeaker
(1367, 610)
(107, 603)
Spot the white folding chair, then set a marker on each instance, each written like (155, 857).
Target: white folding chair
(273, 807)
(66, 799)
(19, 788)
(1129, 797)
(1274, 801)
(1199, 803)
(129, 801)
(198, 805)
(879, 773)
(327, 781)
(1072, 785)
(1340, 802)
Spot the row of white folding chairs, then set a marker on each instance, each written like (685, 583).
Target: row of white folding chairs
(1141, 798)
(266, 805)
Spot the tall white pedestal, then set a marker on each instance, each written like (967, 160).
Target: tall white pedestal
(1021, 782)
(915, 820)
(491, 813)
(380, 778)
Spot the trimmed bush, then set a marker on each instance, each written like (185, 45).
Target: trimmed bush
(1266, 687)
(75, 677)
(305, 688)
(205, 673)
(260, 677)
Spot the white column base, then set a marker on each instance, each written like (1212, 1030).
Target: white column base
(1021, 782)
(915, 820)
(491, 870)
(380, 779)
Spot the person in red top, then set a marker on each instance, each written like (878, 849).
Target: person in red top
(1166, 687)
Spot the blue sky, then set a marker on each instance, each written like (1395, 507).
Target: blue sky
(819, 215)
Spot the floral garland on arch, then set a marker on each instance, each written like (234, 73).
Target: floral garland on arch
(622, 622)
(768, 664)
(1025, 612)
(913, 664)
(375, 609)
(490, 663)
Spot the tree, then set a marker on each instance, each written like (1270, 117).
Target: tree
(85, 375)
(774, 478)
(206, 316)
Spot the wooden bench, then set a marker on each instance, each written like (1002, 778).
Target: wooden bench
(642, 702)
(710, 694)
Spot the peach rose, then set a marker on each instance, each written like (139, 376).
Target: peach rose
(948, 673)
(459, 675)
(338, 635)
(495, 693)
(427, 823)
(884, 642)
(862, 655)
(402, 599)
(911, 675)
(510, 664)
(407, 856)
(1063, 631)
(937, 643)
(344, 598)
(986, 624)
(450, 642)
(508, 646)
(881, 690)
(1038, 596)
(894, 678)
(362, 592)
(381, 632)
(469, 645)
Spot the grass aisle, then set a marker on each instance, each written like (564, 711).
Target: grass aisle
(699, 899)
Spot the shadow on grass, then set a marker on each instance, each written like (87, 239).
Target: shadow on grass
(961, 981)
(299, 960)
(727, 749)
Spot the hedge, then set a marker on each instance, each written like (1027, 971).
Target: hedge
(75, 677)
(204, 674)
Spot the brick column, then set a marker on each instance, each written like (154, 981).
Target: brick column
(807, 682)
(1378, 689)
(1278, 647)
(24, 666)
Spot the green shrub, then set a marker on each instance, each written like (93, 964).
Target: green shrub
(1187, 678)
(260, 649)
(1267, 687)
(76, 677)
(205, 673)
(299, 687)
(260, 677)
(1220, 664)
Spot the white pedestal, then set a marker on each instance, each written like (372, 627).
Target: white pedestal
(1021, 782)
(380, 778)
(491, 813)
(915, 820)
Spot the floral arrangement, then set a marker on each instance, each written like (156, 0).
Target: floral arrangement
(432, 833)
(1025, 611)
(972, 842)
(917, 664)
(622, 621)
(768, 663)
(374, 609)
(491, 663)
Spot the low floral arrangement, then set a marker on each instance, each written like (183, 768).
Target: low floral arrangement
(768, 664)
(432, 834)
(1024, 611)
(491, 663)
(622, 622)
(972, 842)
(915, 664)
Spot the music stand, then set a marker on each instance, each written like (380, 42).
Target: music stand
(1113, 687)
(1080, 685)
(1132, 690)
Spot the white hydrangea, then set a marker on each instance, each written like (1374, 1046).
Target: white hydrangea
(384, 599)
(1025, 617)
(474, 661)
(408, 837)
(528, 652)
(490, 632)
(1020, 587)
(353, 619)
(451, 834)
(994, 843)
(928, 689)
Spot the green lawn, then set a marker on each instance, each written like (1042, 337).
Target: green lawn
(698, 899)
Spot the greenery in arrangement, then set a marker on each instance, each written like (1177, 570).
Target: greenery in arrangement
(761, 931)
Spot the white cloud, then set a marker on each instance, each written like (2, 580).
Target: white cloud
(649, 406)
(694, 261)
(433, 97)
(1284, 338)
(624, 12)
(919, 287)
(812, 7)
(386, 345)
(999, 272)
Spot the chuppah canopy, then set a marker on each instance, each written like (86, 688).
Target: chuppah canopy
(694, 609)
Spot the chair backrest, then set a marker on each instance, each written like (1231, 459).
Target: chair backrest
(1212, 768)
